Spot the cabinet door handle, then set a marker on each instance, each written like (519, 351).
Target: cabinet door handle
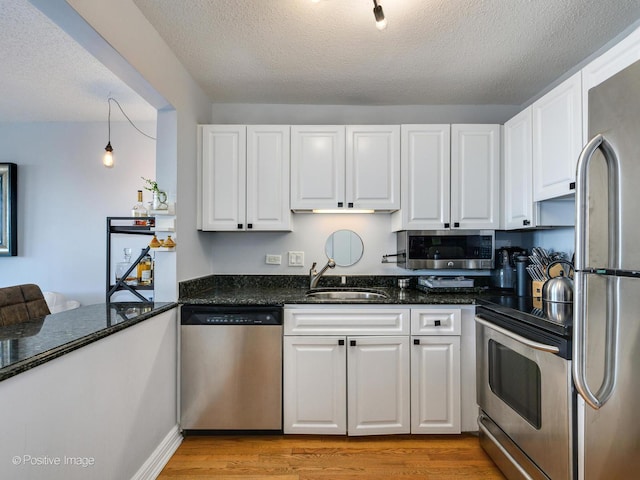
(352, 343)
(350, 205)
(446, 225)
(239, 226)
(526, 222)
(341, 342)
(249, 225)
(456, 224)
(436, 323)
(340, 204)
(416, 341)
(572, 186)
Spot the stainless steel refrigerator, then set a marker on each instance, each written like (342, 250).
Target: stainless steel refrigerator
(606, 350)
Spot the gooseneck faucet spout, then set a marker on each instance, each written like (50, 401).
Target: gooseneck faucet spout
(314, 277)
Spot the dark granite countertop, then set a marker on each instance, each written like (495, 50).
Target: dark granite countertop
(26, 345)
(284, 289)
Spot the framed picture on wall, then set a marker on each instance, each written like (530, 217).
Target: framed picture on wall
(8, 209)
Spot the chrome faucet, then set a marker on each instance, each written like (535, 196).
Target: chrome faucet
(314, 277)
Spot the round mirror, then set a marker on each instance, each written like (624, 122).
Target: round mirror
(345, 247)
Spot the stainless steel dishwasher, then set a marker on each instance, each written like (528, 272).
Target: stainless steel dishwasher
(231, 368)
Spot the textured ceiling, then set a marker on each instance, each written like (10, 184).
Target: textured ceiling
(47, 76)
(433, 51)
(439, 52)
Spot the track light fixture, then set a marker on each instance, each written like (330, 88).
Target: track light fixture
(107, 160)
(381, 22)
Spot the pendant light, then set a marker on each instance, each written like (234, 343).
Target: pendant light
(107, 159)
(381, 21)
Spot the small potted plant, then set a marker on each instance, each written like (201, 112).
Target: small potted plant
(159, 197)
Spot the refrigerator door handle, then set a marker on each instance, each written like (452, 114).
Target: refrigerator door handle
(598, 399)
(582, 200)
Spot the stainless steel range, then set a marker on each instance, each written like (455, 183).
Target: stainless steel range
(524, 389)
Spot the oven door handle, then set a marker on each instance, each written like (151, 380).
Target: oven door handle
(518, 338)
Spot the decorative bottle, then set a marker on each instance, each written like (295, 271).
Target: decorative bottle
(145, 270)
(123, 266)
(139, 210)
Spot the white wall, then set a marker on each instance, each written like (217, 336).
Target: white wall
(112, 401)
(64, 197)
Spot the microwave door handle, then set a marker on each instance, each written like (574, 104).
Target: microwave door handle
(518, 338)
(580, 301)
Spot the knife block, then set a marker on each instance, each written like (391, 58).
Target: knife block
(536, 288)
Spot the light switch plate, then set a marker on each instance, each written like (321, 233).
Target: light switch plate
(273, 259)
(296, 259)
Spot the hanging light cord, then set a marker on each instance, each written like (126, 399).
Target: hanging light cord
(110, 99)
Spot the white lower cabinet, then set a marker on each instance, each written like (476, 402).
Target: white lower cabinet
(376, 370)
(354, 385)
(315, 385)
(435, 369)
(356, 382)
(435, 385)
(378, 399)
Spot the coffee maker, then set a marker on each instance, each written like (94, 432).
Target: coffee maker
(504, 275)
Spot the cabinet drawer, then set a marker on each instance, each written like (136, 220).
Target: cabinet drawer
(346, 321)
(435, 321)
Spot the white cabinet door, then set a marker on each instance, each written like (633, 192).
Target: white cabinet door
(223, 177)
(518, 204)
(317, 167)
(425, 178)
(475, 176)
(268, 178)
(314, 385)
(373, 167)
(435, 384)
(378, 390)
(557, 139)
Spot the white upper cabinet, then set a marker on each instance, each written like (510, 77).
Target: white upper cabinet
(475, 176)
(425, 178)
(268, 162)
(317, 166)
(223, 176)
(557, 139)
(373, 167)
(518, 205)
(245, 177)
(336, 167)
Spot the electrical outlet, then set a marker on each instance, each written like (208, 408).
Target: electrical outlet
(296, 259)
(273, 259)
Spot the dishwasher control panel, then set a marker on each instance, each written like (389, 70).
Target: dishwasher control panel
(217, 315)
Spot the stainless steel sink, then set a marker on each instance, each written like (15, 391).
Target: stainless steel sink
(346, 294)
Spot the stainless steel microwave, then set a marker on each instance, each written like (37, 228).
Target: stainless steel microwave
(446, 249)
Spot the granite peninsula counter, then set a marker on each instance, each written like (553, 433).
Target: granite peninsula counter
(29, 344)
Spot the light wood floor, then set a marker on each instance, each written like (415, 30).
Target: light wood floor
(296, 457)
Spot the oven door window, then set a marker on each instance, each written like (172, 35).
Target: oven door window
(515, 379)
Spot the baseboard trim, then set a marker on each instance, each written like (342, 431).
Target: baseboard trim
(152, 467)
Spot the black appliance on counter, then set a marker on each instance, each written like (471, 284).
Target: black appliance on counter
(503, 276)
(524, 388)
